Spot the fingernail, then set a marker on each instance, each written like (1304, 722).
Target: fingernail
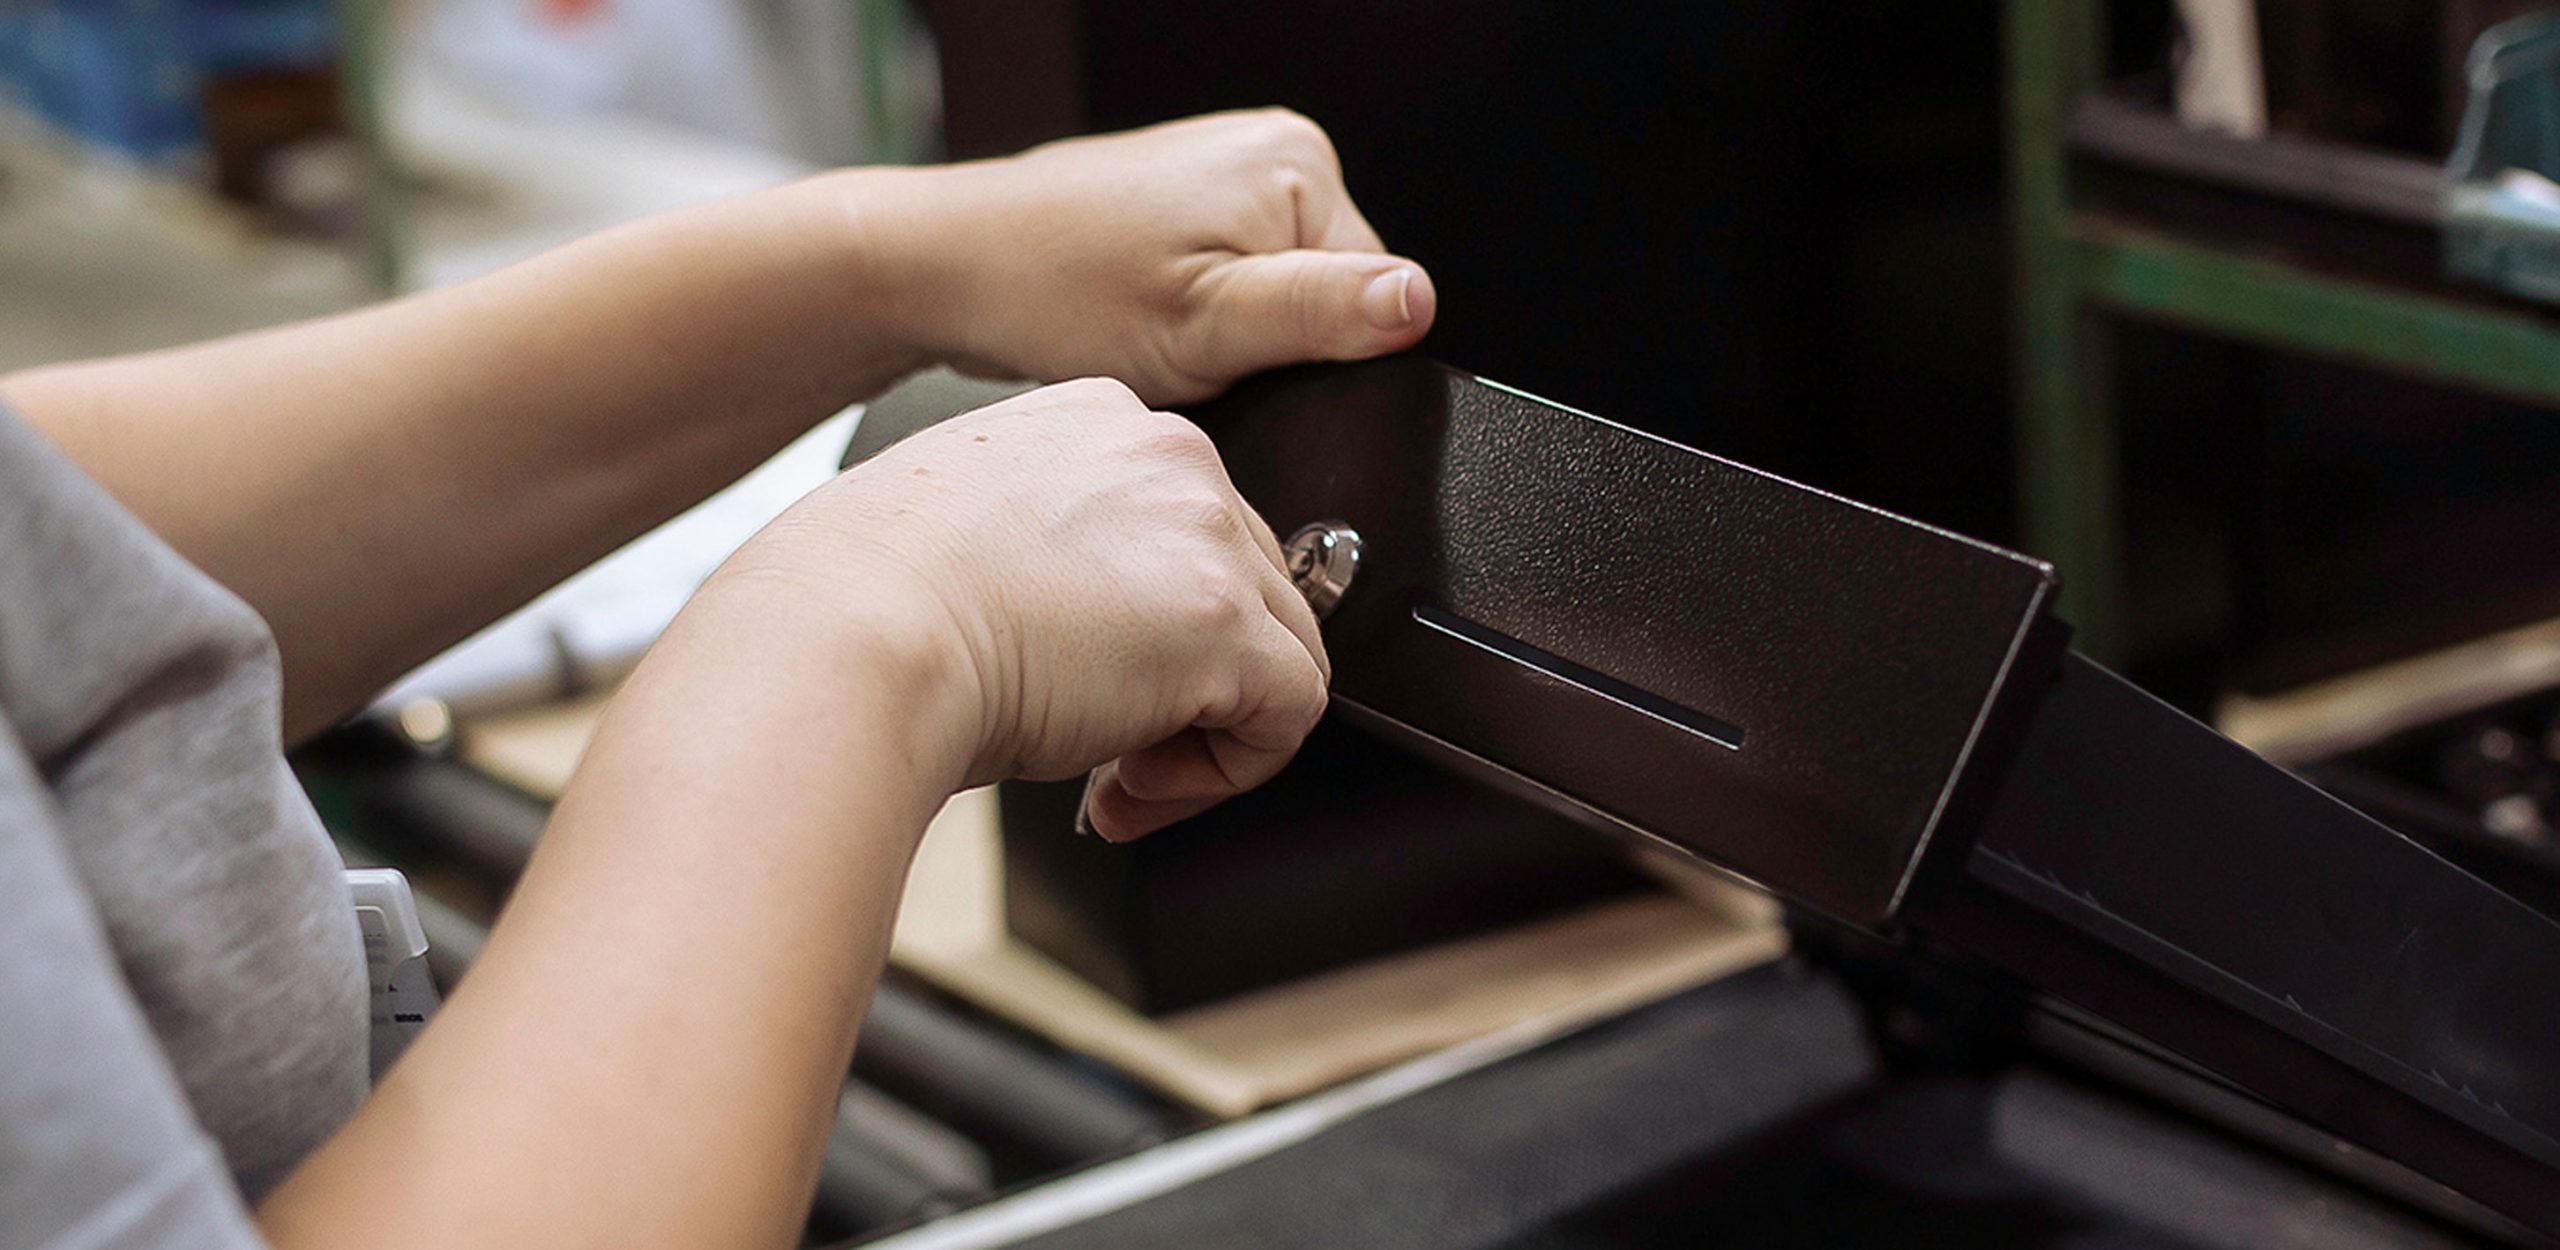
(1084, 806)
(1388, 299)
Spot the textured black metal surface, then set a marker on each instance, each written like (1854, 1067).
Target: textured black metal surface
(1751, 1112)
(1475, 1162)
(1354, 852)
(2404, 1003)
(1793, 686)
(1853, 655)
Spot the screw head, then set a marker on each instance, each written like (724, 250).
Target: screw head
(1322, 559)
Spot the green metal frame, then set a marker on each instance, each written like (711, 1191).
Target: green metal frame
(880, 34)
(364, 83)
(2478, 347)
(2076, 275)
(2065, 440)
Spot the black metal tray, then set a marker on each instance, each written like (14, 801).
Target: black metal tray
(1875, 718)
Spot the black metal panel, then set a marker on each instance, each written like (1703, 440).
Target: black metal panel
(2319, 960)
(1775, 679)
(1356, 851)
(1805, 691)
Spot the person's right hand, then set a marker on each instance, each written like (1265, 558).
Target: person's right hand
(1099, 591)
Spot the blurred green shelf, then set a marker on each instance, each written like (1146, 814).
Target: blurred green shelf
(2077, 271)
(2276, 304)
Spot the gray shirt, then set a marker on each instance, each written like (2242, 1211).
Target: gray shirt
(182, 992)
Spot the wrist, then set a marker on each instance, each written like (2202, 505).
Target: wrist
(917, 249)
(855, 672)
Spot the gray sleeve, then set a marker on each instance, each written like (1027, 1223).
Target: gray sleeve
(98, 1148)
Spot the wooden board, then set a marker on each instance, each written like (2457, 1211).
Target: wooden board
(534, 750)
(1233, 1057)
(2333, 717)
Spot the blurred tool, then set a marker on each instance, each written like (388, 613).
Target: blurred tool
(402, 990)
(453, 939)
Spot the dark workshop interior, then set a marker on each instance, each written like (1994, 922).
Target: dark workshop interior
(1952, 638)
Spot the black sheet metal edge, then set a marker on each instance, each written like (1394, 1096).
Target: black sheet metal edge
(1780, 681)
(2125, 822)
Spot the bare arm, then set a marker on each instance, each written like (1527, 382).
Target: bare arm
(645, 1053)
(379, 484)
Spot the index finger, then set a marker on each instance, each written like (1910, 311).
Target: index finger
(1347, 230)
(1287, 603)
(1226, 751)
(1330, 220)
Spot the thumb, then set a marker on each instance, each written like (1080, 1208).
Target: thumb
(1279, 308)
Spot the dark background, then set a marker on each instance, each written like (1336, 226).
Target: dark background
(1769, 230)
(1776, 231)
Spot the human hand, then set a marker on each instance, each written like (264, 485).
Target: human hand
(1177, 258)
(1095, 589)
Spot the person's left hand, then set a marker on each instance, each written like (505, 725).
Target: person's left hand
(1176, 258)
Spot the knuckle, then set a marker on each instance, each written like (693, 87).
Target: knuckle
(1307, 699)
(1320, 670)
(1200, 512)
(1218, 691)
(1291, 183)
(1138, 776)
(1177, 441)
(1293, 131)
(1209, 603)
(1095, 390)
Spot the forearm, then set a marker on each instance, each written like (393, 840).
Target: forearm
(646, 1053)
(381, 483)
